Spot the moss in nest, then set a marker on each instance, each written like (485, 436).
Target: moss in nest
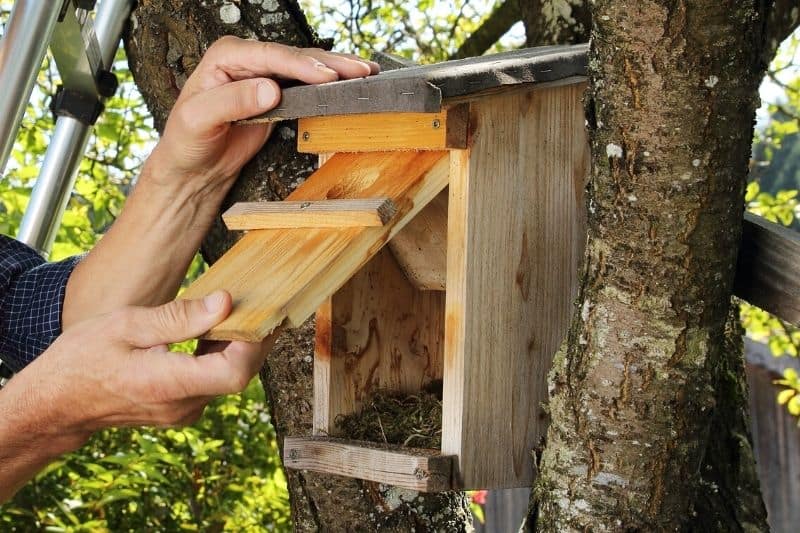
(413, 420)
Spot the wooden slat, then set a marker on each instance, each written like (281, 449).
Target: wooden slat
(514, 245)
(411, 468)
(376, 332)
(262, 272)
(384, 131)
(421, 248)
(309, 214)
(423, 88)
(428, 171)
(268, 271)
(768, 272)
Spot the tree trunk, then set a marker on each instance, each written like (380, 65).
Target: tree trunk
(555, 21)
(166, 40)
(648, 398)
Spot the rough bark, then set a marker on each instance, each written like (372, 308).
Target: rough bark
(647, 400)
(165, 42)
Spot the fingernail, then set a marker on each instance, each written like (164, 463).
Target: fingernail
(213, 302)
(265, 94)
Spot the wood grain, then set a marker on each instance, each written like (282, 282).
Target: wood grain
(768, 271)
(309, 214)
(422, 88)
(269, 271)
(411, 468)
(376, 332)
(421, 247)
(424, 173)
(384, 131)
(514, 243)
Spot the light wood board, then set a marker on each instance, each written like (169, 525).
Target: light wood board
(372, 132)
(421, 247)
(376, 332)
(427, 171)
(309, 214)
(411, 468)
(514, 245)
(269, 271)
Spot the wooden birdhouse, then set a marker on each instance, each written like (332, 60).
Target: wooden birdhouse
(438, 241)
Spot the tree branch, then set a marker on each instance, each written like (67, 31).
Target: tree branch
(495, 26)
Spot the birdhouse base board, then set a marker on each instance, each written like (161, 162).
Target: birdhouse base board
(411, 468)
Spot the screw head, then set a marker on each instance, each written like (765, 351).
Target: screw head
(293, 455)
(306, 136)
(436, 123)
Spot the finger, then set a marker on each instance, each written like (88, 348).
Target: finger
(227, 103)
(231, 59)
(217, 373)
(176, 321)
(346, 65)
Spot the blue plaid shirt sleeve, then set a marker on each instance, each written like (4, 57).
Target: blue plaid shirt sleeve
(31, 299)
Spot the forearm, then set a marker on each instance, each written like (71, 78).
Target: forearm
(143, 258)
(30, 436)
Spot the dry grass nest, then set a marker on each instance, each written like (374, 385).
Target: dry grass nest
(412, 420)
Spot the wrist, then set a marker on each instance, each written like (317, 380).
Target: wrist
(197, 187)
(37, 427)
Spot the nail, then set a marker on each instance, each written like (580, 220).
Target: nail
(213, 302)
(265, 94)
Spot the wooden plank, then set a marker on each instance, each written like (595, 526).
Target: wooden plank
(429, 173)
(514, 245)
(421, 247)
(309, 214)
(375, 94)
(768, 271)
(411, 468)
(384, 131)
(262, 272)
(423, 88)
(267, 270)
(376, 332)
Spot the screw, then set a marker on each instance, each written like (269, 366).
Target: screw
(306, 136)
(293, 455)
(436, 124)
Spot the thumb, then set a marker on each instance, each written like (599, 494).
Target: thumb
(176, 321)
(230, 102)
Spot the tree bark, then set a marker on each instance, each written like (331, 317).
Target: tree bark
(166, 40)
(648, 398)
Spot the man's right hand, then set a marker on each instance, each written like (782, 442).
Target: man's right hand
(116, 370)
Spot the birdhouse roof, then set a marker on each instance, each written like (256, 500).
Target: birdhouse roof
(425, 88)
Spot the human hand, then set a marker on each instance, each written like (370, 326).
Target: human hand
(200, 148)
(116, 370)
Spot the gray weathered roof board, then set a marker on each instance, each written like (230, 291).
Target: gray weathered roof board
(424, 88)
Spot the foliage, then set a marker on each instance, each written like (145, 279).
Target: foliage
(425, 31)
(222, 473)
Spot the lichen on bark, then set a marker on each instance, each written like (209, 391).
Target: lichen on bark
(634, 391)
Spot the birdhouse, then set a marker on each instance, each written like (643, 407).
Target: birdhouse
(438, 241)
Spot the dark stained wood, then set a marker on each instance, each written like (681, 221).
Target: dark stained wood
(424, 88)
(768, 272)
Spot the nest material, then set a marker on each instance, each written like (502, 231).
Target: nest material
(413, 420)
